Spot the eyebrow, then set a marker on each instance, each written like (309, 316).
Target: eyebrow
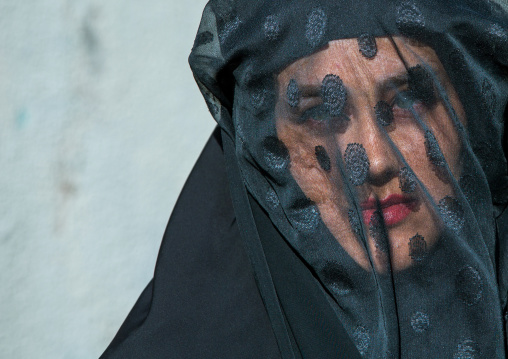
(314, 90)
(392, 82)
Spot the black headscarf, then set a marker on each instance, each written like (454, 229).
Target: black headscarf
(363, 210)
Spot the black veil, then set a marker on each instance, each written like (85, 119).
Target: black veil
(352, 200)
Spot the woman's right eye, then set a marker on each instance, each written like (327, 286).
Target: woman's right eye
(319, 120)
(316, 114)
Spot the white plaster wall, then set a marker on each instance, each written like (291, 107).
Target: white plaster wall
(101, 122)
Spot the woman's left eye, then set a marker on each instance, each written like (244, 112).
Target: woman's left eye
(405, 100)
(406, 106)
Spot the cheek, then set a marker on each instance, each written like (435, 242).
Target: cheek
(448, 138)
(320, 186)
(410, 141)
(314, 181)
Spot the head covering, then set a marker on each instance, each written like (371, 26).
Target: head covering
(363, 145)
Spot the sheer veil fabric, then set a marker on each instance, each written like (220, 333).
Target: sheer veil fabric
(363, 211)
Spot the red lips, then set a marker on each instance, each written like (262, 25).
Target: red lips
(395, 208)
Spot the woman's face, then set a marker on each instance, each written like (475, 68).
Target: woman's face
(357, 121)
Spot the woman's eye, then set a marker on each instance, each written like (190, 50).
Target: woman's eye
(319, 118)
(405, 100)
(317, 114)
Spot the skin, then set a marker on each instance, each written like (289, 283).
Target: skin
(369, 81)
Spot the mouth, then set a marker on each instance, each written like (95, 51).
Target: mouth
(395, 208)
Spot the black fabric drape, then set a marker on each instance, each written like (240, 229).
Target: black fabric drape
(203, 301)
(363, 210)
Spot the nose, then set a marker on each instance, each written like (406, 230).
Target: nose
(382, 159)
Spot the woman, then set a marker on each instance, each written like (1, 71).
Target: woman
(377, 114)
(363, 146)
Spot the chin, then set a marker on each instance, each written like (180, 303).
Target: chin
(409, 243)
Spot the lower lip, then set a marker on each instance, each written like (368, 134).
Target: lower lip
(392, 215)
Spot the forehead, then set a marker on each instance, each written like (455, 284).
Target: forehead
(343, 58)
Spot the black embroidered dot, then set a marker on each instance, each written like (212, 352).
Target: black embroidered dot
(421, 85)
(354, 222)
(228, 28)
(259, 97)
(377, 230)
(334, 94)
(384, 113)
(223, 10)
(433, 150)
(275, 153)
(316, 26)
(417, 248)
(498, 32)
(293, 93)
(272, 199)
(367, 45)
(407, 180)
(467, 349)
(305, 215)
(361, 339)
(419, 322)
(322, 158)
(410, 20)
(203, 38)
(489, 97)
(357, 163)
(271, 27)
(496, 8)
(452, 213)
(468, 285)
(337, 278)
(498, 36)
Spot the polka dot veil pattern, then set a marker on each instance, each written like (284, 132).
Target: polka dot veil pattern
(372, 136)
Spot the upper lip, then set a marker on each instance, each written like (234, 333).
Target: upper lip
(390, 200)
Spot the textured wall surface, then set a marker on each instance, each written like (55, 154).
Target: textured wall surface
(101, 122)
